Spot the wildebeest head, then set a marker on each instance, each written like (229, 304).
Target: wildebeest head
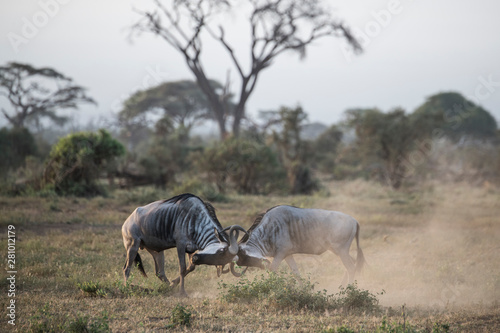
(247, 256)
(220, 253)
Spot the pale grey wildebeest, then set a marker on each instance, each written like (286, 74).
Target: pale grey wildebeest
(185, 222)
(284, 231)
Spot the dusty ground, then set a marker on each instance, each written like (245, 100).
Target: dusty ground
(434, 249)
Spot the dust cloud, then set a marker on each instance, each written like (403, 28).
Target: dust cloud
(439, 250)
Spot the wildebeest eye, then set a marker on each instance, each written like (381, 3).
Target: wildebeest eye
(222, 250)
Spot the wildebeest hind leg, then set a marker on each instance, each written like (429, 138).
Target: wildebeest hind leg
(349, 265)
(132, 248)
(159, 259)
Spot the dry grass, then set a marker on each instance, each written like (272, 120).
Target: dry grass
(434, 249)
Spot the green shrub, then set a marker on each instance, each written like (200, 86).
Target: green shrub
(353, 298)
(394, 327)
(283, 291)
(287, 291)
(203, 189)
(248, 166)
(77, 160)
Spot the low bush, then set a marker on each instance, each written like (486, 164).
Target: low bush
(250, 167)
(286, 291)
(352, 298)
(279, 290)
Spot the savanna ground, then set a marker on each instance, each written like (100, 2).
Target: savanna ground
(434, 249)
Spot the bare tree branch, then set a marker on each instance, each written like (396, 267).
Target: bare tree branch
(25, 88)
(276, 27)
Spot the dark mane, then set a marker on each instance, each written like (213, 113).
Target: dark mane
(211, 210)
(180, 198)
(256, 222)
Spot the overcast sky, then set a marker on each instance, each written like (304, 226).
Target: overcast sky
(412, 49)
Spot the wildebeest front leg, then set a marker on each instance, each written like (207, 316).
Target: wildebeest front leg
(276, 262)
(293, 265)
(159, 259)
(188, 270)
(181, 253)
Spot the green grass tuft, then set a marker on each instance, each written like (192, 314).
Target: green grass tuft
(92, 289)
(181, 316)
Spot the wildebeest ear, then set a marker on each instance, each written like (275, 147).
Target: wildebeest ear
(219, 236)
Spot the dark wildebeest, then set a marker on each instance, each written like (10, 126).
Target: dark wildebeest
(185, 222)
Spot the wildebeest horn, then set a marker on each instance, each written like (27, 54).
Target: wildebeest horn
(234, 232)
(235, 227)
(236, 273)
(221, 270)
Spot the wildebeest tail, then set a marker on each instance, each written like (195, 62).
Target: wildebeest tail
(138, 262)
(360, 258)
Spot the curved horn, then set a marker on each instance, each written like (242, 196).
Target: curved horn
(221, 270)
(234, 232)
(236, 273)
(235, 227)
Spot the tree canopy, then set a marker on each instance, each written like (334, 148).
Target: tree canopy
(456, 116)
(182, 102)
(36, 93)
(386, 137)
(294, 152)
(15, 145)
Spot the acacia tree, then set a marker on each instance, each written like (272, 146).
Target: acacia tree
(35, 93)
(181, 102)
(275, 26)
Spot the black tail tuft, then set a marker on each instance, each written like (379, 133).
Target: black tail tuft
(138, 261)
(360, 261)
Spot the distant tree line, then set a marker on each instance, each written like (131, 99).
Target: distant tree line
(153, 143)
(152, 140)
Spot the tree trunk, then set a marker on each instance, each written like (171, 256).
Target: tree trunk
(238, 116)
(217, 106)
